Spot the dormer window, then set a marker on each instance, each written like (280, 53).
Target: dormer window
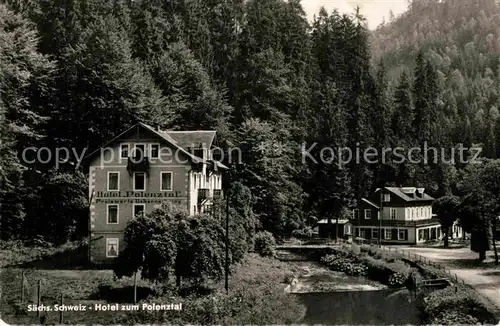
(124, 148)
(154, 151)
(139, 151)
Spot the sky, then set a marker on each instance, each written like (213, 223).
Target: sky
(373, 10)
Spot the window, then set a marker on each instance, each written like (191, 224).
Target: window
(112, 214)
(420, 235)
(362, 233)
(401, 234)
(124, 148)
(386, 198)
(113, 181)
(139, 210)
(154, 151)
(347, 229)
(388, 234)
(111, 247)
(139, 181)
(374, 233)
(368, 214)
(166, 181)
(394, 213)
(139, 151)
(355, 214)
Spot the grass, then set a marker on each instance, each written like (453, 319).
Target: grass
(14, 253)
(256, 296)
(256, 292)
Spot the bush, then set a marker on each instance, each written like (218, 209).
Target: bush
(264, 243)
(376, 265)
(397, 280)
(457, 304)
(345, 265)
(305, 233)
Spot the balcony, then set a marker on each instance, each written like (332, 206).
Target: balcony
(217, 194)
(203, 194)
(395, 223)
(139, 164)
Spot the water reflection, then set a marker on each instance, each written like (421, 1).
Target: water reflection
(380, 307)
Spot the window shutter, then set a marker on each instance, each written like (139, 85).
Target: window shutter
(406, 234)
(394, 234)
(382, 234)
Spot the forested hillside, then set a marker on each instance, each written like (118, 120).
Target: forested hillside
(76, 72)
(462, 40)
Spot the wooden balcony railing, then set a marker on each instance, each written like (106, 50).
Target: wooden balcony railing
(203, 194)
(138, 164)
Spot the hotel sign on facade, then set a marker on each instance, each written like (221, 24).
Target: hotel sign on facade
(135, 197)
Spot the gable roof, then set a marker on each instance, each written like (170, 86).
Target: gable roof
(370, 203)
(166, 136)
(401, 194)
(195, 138)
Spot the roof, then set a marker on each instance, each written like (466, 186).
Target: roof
(195, 138)
(167, 136)
(333, 221)
(404, 192)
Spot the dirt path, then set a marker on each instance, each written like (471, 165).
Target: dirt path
(484, 277)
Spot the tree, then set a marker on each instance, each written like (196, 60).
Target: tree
(193, 102)
(480, 208)
(101, 88)
(446, 209)
(268, 168)
(25, 79)
(401, 125)
(150, 244)
(200, 249)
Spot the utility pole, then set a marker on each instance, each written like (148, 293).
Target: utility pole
(380, 216)
(90, 227)
(226, 276)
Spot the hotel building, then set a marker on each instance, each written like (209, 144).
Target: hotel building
(141, 168)
(405, 218)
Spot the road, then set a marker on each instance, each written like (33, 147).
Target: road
(484, 277)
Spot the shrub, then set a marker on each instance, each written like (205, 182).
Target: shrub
(345, 265)
(264, 243)
(457, 304)
(397, 280)
(305, 233)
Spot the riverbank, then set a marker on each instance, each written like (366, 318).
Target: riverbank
(455, 304)
(335, 298)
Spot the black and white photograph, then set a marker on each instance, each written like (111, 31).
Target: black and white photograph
(249, 162)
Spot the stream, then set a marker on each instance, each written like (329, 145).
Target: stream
(334, 298)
